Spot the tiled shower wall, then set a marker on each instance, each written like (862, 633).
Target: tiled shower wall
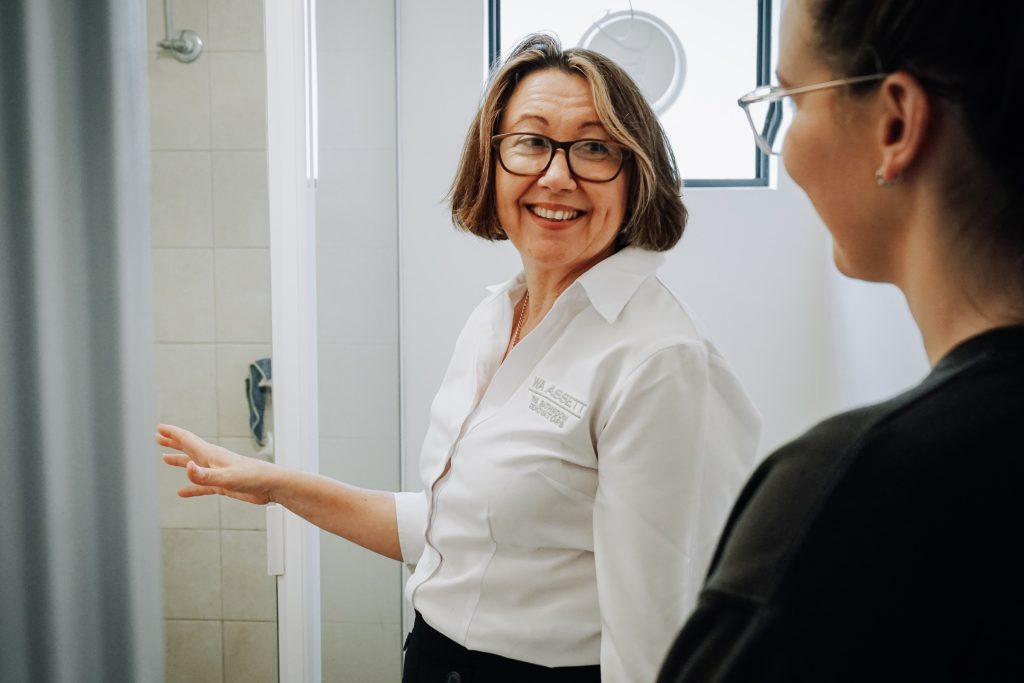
(212, 318)
(212, 302)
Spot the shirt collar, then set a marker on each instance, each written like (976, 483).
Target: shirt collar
(610, 283)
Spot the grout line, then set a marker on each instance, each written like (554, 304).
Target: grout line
(216, 349)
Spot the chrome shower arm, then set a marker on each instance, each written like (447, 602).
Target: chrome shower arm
(185, 45)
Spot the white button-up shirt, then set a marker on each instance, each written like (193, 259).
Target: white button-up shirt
(590, 474)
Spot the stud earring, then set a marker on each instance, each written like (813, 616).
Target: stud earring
(882, 182)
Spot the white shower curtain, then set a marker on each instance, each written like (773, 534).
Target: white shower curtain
(79, 542)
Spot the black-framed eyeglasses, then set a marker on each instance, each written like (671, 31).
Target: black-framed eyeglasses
(597, 161)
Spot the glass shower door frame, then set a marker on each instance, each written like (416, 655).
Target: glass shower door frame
(291, 165)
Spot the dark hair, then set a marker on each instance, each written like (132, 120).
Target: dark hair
(968, 54)
(655, 215)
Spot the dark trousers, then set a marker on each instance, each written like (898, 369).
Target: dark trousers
(433, 658)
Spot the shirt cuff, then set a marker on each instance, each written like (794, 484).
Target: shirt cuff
(411, 514)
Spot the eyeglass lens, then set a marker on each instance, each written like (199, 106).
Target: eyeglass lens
(771, 121)
(589, 159)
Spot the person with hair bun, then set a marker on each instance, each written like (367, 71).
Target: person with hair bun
(882, 544)
(586, 441)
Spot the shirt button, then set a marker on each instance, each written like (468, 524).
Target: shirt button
(453, 677)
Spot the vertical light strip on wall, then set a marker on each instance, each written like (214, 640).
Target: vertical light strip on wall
(312, 118)
(290, 193)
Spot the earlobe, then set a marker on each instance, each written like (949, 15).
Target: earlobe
(906, 116)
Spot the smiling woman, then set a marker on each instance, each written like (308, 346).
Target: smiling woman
(586, 440)
(608, 107)
(541, 517)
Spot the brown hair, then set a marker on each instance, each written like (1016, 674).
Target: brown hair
(967, 54)
(655, 215)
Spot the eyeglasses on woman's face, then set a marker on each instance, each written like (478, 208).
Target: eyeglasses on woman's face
(769, 119)
(530, 154)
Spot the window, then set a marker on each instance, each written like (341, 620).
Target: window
(692, 58)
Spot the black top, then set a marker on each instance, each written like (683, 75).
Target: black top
(882, 545)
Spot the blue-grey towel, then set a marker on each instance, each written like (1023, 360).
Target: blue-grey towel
(257, 386)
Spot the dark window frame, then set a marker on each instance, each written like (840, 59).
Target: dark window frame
(763, 77)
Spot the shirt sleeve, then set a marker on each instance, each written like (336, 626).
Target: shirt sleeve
(678, 443)
(411, 514)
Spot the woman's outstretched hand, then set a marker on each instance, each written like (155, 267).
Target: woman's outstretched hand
(213, 469)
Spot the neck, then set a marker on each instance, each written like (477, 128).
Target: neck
(948, 306)
(547, 284)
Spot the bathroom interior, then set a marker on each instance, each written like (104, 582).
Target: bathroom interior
(394, 85)
(299, 163)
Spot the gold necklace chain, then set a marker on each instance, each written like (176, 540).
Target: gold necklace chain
(522, 317)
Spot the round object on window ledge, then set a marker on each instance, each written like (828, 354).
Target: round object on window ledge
(646, 48)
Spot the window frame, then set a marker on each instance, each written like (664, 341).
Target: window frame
(762, 161)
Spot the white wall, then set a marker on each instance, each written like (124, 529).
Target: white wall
(357, 321)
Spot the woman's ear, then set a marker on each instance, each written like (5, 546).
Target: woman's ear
(906, 114)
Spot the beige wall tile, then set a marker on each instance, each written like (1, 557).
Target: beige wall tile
(191, 566)
(209, 200)
(358, 586)
(232, 370)
(236, 25)
(179, 103)
(181, 205)
(234, 514)
(243, 295)
(249, 593)
(186, 387)
(240, 213)
(242, 445)
(368, 653)
(183, 295)
(183, 513)
(250, 652)
(194, 651)
(238, 102)
(187, 14)
(358, 390)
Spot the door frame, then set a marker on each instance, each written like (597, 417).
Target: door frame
(291, 173)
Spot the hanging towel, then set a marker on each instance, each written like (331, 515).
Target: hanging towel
(257, 386)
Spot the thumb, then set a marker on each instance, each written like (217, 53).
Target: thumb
(203, 475)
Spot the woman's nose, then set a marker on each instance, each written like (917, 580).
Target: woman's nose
(557, 177)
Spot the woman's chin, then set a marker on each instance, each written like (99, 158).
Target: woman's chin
(550, 253)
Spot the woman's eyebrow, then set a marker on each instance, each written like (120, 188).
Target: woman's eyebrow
(530, 117)
(590, 124)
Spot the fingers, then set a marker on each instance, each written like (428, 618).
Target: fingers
(212, 469)
(193, 491)
(176, 437)
(202, 475)
(166, 436)
(176, 459)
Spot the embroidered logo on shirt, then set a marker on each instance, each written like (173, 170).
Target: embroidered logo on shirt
(554, 404)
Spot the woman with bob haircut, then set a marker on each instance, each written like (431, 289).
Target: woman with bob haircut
(586, 441)
(879, 546)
